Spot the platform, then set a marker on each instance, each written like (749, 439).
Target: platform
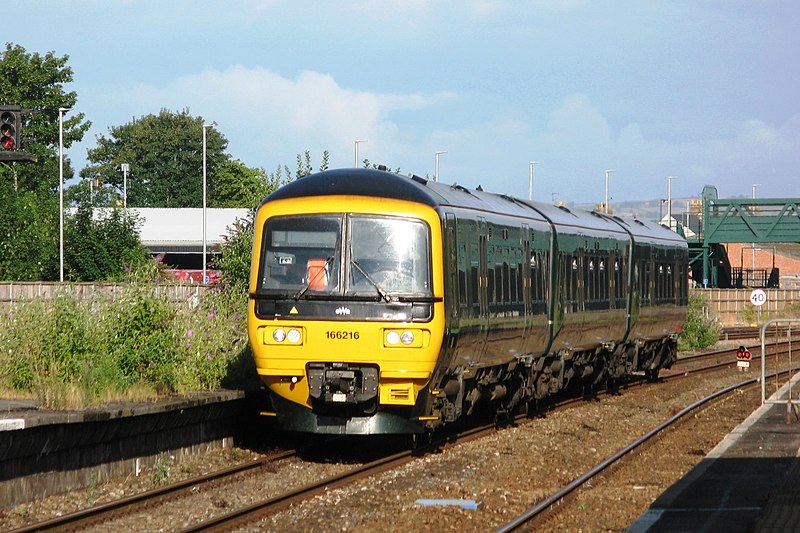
(750, 482)
(44, 452)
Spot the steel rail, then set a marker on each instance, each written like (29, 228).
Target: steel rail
(551, 500)
(96, 513)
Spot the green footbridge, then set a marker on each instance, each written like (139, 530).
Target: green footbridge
(755, 221)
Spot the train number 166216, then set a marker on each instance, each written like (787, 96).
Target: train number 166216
(342, 335)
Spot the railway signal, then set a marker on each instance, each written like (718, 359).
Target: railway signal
(743, 358)
(11, 134)
(10, 121)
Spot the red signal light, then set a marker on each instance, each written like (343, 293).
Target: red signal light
(743, 353)
(9, 121)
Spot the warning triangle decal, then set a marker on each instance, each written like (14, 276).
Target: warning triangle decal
(293, 310)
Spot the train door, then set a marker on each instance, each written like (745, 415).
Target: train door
(527, 300)
(483, 261)
(452, 297)
(483, 281)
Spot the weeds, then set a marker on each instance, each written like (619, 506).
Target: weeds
(73, 352)
(700, 330)
(162, 468)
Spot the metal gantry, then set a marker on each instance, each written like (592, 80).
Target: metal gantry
(746, 220)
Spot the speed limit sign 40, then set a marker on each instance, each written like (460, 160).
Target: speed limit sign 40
(758, 297)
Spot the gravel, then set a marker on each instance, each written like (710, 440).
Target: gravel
(505, 473)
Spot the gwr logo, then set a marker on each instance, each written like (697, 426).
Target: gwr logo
(342, 310)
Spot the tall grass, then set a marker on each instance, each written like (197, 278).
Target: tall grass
(72, 352)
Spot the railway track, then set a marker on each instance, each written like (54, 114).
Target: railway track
(84, 518)
(548, 506)
(256, 510)
(709, 361)
(557, 498)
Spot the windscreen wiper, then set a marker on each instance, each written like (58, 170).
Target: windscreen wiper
(382, 293)
(311, 280)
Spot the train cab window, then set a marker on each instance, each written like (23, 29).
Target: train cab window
(297, 247)
(305, 254)
(388, 255)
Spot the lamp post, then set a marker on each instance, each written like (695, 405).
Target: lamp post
(753, 277)
(205, 189)
(61, 111)
(125, 167)
(530, 180)
(605, 204)
(355, 160)
(669, 200)
(436, 166)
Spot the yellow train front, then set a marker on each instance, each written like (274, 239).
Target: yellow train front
(345, 314)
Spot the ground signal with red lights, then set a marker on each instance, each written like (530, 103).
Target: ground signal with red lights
(743, 358)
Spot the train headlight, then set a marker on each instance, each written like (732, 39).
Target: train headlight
(283, 335)
(294, 336)
(407, 338)
(392, 338)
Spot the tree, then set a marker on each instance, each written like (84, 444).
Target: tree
(28, 234)
(165, 154)
(36, 82)
(236, 185)
(304, 167)
(102, 244)
(29, 214)
(233, 260)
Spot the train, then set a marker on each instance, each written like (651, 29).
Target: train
(388, 304)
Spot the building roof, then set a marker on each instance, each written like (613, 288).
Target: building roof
(180, 230)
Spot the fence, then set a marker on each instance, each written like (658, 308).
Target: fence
(732, 307)
(13, 292)
(792, 377)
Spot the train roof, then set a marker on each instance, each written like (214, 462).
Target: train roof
(644, 231)
(381, 183)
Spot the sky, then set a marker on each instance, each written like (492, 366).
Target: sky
(705, 91)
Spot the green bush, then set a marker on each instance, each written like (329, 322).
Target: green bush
(73, 352)
(699, 331)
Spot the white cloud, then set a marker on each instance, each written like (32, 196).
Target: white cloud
(273, 114)
(580, 143)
